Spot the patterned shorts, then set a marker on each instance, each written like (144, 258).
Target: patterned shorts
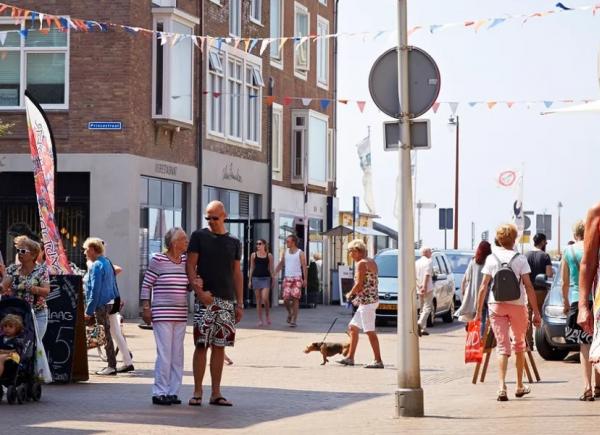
(292, 288)
(214, 325)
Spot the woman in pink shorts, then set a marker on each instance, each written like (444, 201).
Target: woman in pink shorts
(508, 317)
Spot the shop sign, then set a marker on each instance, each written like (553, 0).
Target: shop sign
(105, 125)
(230, 174)
(162, 168)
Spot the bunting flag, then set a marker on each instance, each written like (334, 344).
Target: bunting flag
(361, 105)
(43, 155)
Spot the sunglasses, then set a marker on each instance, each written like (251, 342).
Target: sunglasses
(259, 243)
(23, 251)
(211, 218)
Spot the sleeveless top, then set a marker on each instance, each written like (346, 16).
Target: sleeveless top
(261, 267)
(292, 264)
(573, 255)
(369, 294)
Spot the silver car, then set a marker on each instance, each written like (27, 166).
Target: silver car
(443, 286)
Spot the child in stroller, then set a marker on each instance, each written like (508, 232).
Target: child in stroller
(10, 347)
(18, 374)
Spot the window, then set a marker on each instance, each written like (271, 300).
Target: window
(310, 147)
(277, 150)
(323, 2)
(256, 10)
(302, 47)
(276, 15)
(322, 52)
(234, 113)
(173, 73)
(235, 17)
(331, 157)
(38, 63)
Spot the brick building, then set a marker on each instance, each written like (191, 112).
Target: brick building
(168, 101)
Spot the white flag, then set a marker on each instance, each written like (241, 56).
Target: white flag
(364, 154)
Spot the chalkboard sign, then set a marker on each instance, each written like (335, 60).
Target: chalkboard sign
(59, 341)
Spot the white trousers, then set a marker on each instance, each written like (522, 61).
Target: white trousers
(168, 371)
(117, 335)
(426, 309)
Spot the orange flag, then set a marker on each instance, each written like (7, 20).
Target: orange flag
(491, 104)
(361, 105)
(269, 100)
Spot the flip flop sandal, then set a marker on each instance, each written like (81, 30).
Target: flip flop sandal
(525, 390)
(502, 396)
(195, 401)
(220, 401)
(597, 392)
(587, 396)
(375, 365)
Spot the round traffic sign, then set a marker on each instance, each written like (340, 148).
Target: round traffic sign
(424, 82)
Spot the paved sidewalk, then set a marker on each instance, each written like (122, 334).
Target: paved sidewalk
(277, 389)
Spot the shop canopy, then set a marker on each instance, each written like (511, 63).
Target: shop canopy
(592, 106)
(344, 230)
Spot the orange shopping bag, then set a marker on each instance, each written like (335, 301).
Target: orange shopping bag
(473, 346)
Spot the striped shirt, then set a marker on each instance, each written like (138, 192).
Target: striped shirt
(166, 283)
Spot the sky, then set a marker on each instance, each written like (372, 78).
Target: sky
(550, 58)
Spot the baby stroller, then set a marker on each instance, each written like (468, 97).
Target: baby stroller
(20, 379)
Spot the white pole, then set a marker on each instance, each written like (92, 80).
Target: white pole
(409, 395)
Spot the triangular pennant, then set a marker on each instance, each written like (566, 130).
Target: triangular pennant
(434, 27)
(325, 104)
(282, 43)
(236, 42)
(510, 104)
(253, 44)
(548, 104)
(3, 36)
(413, 30)
(480, 24)
(473, 103)
(269, 100)
(491, 104)
(381, 32)
(195, 41)
(453, 106)
(469, 23)
(343, 101)
(163, 38)
(24, 33)
(219, 43)
(264, 44)
(563, 7)
(496, 22)
(435, 107)
(287, 101)
(3, 8)
(361, 105)
(306, 101)
(216, 94)
(247, 42)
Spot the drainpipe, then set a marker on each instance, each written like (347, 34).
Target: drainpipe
(200, 152)
(270, 162)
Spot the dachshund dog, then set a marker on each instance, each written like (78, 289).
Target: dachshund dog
(328, 349)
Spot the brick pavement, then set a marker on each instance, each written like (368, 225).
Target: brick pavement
(277, 389)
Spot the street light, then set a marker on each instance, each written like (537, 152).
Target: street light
(455, 121)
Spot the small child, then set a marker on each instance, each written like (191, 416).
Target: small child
(11, 327)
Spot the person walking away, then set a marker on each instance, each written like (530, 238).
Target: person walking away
(164, 299)
(100, 293)
(213, 269)
(261, 278)
(540, 264)
(573, 333)
(508, 272)
(424, 273)
(295, 274)
(471, 283)
(365, 295)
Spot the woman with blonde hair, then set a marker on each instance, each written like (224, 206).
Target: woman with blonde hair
(508, 273)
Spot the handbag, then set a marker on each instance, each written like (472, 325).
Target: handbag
(473, 346)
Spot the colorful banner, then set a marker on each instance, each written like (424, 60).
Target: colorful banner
(364, 154)
(42, 155)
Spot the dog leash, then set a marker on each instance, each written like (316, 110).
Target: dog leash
(329, 330)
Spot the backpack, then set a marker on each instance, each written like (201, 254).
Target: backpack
(505, 284)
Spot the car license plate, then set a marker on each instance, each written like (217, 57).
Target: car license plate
(387, 307)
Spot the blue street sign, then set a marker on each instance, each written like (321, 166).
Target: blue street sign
(105, 125)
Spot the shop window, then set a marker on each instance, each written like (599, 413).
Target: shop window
(37, 62)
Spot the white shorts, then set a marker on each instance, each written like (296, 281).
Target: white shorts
(364, 318)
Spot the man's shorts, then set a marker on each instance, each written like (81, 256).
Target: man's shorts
(364, 318)
(214, 325)
(292, 287)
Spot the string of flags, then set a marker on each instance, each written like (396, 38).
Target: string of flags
(491, 104)
(65, 23)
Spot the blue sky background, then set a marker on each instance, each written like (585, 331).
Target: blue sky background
(549, 58)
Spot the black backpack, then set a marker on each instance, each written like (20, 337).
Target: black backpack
(505, 285)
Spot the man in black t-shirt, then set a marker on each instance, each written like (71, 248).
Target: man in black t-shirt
(213, 269)
(540, 264)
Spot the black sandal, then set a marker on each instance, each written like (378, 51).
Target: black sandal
(587, 396)
(220, 401)
(195, 401)
(502, 396)
(597, 392)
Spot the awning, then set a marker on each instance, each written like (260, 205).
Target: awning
(344, 230)
(592, 106)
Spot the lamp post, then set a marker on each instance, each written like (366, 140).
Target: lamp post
(454, 120)
(559, 205)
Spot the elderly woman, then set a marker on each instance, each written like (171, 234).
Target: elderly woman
(509, 318)
(364, 294)
(100, 293)
(166, 285)
(29, 281)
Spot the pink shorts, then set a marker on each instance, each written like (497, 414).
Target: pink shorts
(509, 321)
(292, 287)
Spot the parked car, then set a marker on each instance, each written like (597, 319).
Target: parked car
(459, 261)
(443, 286)
(550, 337)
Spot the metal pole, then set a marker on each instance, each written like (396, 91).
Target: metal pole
(560, 205)
(445, 238)
(472, 235)
(456, 184)
(419, 207)
(409, 395)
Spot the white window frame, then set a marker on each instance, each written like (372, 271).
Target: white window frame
(168, 16)
(232, 82)
(247, 61)
(237, 31)
(307, 114)
(215, 70)
(277, 62)
(277, 149)
(256, 11)
(323, 2)
(23, 51)
(217, 2)
(322, 44)
(301, 72)
(331, 155)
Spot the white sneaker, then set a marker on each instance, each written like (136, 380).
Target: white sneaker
(107, 371)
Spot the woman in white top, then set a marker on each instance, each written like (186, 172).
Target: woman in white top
(508, 317)
(295, 277)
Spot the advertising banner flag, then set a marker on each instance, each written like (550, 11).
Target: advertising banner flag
(43, 156)
(364, 154)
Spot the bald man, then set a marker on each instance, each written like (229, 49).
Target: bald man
(424, 272)
(213, 269)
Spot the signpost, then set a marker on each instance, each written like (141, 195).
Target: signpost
(446, 223)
